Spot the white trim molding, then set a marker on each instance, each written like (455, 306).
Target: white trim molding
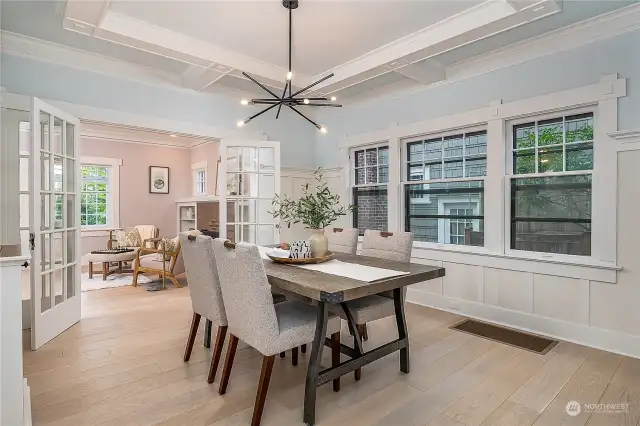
(114, 194)
(628, 140)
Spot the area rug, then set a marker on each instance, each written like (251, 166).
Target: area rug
(114, 280)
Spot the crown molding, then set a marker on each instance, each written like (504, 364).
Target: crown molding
(629, 140)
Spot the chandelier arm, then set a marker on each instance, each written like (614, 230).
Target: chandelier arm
(290, 31)
(260, 84)
(324, 105)
(263, 111)
(304, 116)
(309, 99)
(284, 92)
(311, 85)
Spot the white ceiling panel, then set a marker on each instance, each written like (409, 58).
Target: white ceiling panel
(325, 33)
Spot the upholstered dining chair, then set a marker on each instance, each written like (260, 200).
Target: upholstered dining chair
(342, 240)
(254, 318)
(206, 296)
(383, 245)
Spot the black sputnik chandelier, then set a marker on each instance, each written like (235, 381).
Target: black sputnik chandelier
(287, 98)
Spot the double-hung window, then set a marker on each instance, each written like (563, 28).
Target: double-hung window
(95, 203)
(199, 174)
(444, 187)
(369, 187)
(550, 186)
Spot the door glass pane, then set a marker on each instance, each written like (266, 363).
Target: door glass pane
(249, 214)
(58, 221)
(45, 211)
(70, 176)
(58, 244)
(249, 159)
(233, 211)
(45, 300)
(57, 135)
(233, 232)
(24, 241)
(56, 285)
(249, 233)
(250, 184)
(233, 184)
(44, 131)
(24, 210)
(24, 174)
(71, 281)
(267, 186)
(264, 206)
(44, 172)
(57, 173)
(70, 211)
(70, 149)
(233, 158)
(24, 131)
(267, 163)
(71, 246)
(46, 252)
(266, 234)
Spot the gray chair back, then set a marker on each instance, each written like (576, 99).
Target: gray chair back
(246, 293)
(387, 245)
(342, 240)
(202, 277)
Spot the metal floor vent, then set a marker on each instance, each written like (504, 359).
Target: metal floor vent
(530, 342)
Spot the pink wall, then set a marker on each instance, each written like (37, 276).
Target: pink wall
(209, 152)
(137, 205)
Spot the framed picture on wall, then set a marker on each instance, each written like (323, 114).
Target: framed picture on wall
(158, 180)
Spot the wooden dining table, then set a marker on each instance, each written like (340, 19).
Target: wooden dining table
(326, 289)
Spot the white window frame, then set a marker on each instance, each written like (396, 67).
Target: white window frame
(602, 96)
(113, 204)
(195, 169)
(510, 176)
(351, 175)
(404, 142)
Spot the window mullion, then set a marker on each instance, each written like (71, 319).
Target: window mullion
(535, 166)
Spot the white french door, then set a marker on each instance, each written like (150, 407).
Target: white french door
(54, 223)
(249, 180)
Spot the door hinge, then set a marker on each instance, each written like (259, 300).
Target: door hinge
(32, 241)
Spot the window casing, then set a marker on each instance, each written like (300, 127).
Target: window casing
(444, 187)
(370, 177)
(550, 187)
(95, 203)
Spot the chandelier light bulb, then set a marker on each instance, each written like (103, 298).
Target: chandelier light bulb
(323, 129)
(244, 102)
(333, 98)
(306, 101)
(240, 123)
(289, 75)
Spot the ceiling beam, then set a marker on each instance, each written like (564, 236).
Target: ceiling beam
(426, 72)
(199, 78)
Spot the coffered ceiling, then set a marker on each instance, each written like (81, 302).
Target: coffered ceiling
(365, 43)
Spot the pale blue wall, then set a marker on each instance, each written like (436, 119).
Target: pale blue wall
(574, 68)
(56, 82)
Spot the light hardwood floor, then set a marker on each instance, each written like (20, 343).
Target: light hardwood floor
(122, 366)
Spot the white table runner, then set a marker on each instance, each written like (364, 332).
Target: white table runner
(345, 269)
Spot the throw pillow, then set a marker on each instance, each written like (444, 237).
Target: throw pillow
(170, 245)
(128, 238)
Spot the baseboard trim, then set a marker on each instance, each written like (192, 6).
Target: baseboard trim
(599, 338)
(26, 404)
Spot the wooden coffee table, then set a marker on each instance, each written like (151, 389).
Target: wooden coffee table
(109, 257)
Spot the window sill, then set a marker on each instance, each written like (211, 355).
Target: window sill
(587, 269)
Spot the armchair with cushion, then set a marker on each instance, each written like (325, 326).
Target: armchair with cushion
(135, 237)
(161, 259)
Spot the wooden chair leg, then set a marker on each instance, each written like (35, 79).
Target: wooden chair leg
(228, 363)
(90, 270)
(263, 387)
(294, 356)
(283, 354)
(105, 269)
(365, 334)
(303, 348)
(207, 334)
(195, 321)
(135, 277)
(175, 281)
(335, 357)
(217, 352)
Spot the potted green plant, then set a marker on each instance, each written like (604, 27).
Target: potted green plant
(317, 208)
